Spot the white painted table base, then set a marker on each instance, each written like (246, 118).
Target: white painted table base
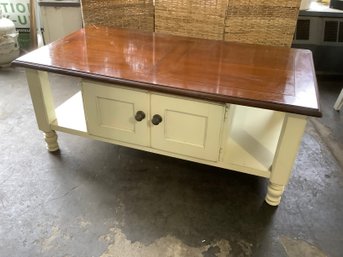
(292, 129)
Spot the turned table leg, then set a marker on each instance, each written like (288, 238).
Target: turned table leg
(51, 141)
(43, 105)
(290, 138)
(274, 194)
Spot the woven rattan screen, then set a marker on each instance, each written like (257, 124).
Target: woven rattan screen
(267, 22)
(132, 14)
(195, 18)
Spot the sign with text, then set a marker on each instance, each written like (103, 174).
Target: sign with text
(18, 11)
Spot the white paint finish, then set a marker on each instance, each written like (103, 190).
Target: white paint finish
(229, 166)
(236, 155)
(110, 112)
(60, 21)
(189, 127)
(339, 102)
(41, 98)
(71, 119)
(274, 194)
(70, 114)
(51, 141)
(181, 128)
(116, 114)
(292, 131)
(291, 134)
(251, 137)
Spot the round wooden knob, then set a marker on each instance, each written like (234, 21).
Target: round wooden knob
(156, 119)
(139, 116)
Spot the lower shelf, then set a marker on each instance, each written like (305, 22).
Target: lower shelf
(251, 138)
(70, 118)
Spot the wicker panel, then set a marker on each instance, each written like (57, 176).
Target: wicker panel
(132, 14)
(194, 18)
(261, 22)
(268, 22)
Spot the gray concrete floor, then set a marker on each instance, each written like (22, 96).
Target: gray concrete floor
(97, 199)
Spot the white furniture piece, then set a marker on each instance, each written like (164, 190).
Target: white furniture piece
(60, 18)
(235, 106)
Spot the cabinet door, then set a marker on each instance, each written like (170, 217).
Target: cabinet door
(188, 127)
(110, 112)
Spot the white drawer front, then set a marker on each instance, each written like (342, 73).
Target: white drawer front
(110, 113)
(188, 127)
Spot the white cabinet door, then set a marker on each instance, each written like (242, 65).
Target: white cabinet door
(188, 127)
(110, 112)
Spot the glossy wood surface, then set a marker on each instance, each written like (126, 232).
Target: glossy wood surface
(275, 78)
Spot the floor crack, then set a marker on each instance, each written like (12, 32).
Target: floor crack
(64, 195)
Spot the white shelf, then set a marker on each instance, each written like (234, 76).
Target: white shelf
(70, 116)
(252, 139)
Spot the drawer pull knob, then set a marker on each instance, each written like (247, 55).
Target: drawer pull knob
(156, 119)
(139, 116)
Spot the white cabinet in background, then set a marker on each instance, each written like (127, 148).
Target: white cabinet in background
(59, 18)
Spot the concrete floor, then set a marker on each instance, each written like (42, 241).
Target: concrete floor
(97, 199)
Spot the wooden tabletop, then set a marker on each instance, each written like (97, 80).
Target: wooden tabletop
(274, 78)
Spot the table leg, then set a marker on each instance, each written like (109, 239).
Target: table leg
(43, 105)
(51, 141)
(290, 138)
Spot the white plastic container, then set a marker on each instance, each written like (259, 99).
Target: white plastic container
(9, 47)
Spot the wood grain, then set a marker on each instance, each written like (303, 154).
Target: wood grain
(276, 78)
